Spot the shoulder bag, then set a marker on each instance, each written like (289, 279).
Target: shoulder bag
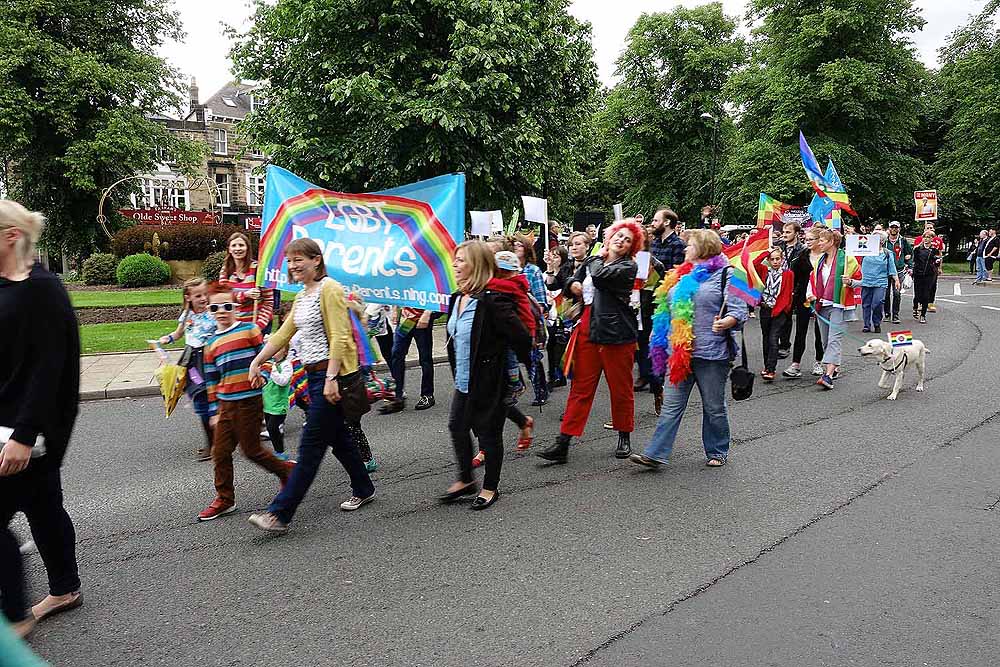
(740, 377)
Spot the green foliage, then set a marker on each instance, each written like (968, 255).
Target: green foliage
(213, 265)
(847, 75)
(367, 94)
(78, 80)
(142, 270)
(182, 241)
(124, 336)
(968, 164)
(119, 298)
(673, 69)
(100, 269)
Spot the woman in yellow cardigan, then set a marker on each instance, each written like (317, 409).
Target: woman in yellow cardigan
(330, 357)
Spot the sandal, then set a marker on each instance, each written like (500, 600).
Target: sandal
(478, 459)
(715, 463)
(73, 603)
(524, 442)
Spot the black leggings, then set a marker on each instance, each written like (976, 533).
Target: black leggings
(923, 292)
(274, 431)
(555, 350)
(490, 442)
(770, 328)
(803, 316)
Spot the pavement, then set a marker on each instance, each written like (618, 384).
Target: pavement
(130, 374)
(846, 530)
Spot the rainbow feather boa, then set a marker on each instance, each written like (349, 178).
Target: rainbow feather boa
(672, 339)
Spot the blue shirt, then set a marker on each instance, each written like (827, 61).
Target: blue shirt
(460, 331)
(707, 303)
(875, 270)
(536, 283)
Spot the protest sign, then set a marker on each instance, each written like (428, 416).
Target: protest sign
(536, 209)
(861, 245)
(394, 247)
(485, 223)
(619, 212)
(926, 204)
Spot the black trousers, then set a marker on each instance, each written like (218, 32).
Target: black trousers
(385, 345)
(489, 430)
(555, 351)
(785, 335)
(923, 292)
(273, 424)
(38, 493)
(770, 327)
(803, 321)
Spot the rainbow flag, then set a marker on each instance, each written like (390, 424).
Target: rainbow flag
(901, 338)
(366, 353)
(826, 185)
(744, 282)
(770, 210)
(299, 384)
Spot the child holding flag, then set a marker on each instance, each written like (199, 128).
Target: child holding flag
(775, 308)
(831, 293)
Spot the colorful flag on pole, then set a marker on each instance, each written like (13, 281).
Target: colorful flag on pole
(744, 281)
(820, 184)
(770, 210)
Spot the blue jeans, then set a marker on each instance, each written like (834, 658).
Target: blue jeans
(425, 350)
(872, 299)
(710, 376)
(980, 269)
(324, 428)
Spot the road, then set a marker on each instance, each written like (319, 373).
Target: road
(846, 530)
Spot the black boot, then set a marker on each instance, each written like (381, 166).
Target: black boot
(624, 446)
(557, 452)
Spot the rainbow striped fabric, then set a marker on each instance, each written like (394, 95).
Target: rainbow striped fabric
(227, 363)
(744, 282)
(901, 338)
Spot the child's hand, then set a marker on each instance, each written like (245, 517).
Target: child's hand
(165, 340)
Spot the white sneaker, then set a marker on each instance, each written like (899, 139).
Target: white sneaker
(264, 435)
(354, 502)
(792, 372)
(818, 369)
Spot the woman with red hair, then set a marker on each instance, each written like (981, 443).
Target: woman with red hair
(604, 340)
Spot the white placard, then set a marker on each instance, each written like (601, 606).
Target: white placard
(642, 261)
(536, 209)
(862, 245)
(619, 212)
(485, 223)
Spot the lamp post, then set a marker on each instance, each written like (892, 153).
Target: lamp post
(715, 148)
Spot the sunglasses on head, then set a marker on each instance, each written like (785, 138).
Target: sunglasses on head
(226, 307)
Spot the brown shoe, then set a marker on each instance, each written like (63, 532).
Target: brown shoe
(203, 454)
(52, 605)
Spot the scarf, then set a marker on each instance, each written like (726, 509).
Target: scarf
(772, 288)
(834, 290)
(673, 321)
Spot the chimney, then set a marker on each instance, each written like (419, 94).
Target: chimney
(193, 95)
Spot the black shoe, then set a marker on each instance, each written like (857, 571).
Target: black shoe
(481, 503)
(556, 452)
(896, 320)
(641, 385)
(783, 352)
(624, 449)
(392, 406)
(424, 403)
(561, 382)
(878, 329)
(539, 402)
(467, 490)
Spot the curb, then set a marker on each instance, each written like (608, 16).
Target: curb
(153, 390)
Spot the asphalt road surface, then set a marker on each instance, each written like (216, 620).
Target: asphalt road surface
(847, 530)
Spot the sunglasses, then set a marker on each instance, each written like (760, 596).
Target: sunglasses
(226, 307)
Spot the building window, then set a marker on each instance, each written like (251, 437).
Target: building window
(157, 193)
(254, 151)
(221, 142)
(163, 156)
(222, 181)
(255, 189)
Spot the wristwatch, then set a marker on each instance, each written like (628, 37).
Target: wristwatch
(331, 377)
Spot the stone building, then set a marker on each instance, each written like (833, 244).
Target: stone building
(236, 169)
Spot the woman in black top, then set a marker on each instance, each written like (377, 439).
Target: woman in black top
(604, 341)
(925, 262)
(39, 390)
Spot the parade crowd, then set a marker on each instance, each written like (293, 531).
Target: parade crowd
(545, 313)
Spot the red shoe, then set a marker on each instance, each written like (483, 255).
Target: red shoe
(218, 508)
(524, 442)
(478, 459)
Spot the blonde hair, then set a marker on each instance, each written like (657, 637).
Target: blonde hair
(482, 266)
(15, 216)
(829, 235)
(189, 285)
(706, 241)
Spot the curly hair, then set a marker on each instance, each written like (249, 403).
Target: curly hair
(632, 225)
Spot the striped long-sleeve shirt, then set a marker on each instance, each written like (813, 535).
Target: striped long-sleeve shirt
(227, 363)
(240, 285)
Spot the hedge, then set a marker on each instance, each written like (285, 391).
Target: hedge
(212, 267)
(183, 241)
(100, 269)
(142, 270)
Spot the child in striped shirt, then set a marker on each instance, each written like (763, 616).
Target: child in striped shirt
(239, 405)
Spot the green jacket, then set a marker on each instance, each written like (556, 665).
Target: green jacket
(905, 250)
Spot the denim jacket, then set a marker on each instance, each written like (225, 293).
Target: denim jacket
(707, 304)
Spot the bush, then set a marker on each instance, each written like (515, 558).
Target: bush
(72, 276)
(100, 269)
(178, 241)
(213, 265)
(142, 270)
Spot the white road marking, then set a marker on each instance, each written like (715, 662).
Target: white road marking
(951, 301)
(958, 289)
(990, 307)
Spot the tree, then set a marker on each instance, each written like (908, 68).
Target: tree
(673, 70)
(846, 74)
(968, 165)
(78, 80)
(369, 94)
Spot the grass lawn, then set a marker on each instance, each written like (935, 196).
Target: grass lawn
(124, 336)
(955, 268)
(84, 299)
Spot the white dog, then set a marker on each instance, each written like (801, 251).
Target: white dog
(894, 361)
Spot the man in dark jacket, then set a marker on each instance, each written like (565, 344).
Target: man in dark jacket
(666, 245)
(902, 251)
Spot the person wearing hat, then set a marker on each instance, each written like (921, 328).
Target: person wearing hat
(902, 251)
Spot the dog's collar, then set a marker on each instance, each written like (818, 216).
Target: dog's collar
(902, 362)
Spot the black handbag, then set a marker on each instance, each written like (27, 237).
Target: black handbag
(354, 396)
(740, 377)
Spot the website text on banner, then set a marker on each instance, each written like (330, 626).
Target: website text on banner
(393, 247)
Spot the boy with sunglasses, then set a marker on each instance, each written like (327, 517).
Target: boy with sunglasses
(240, 406)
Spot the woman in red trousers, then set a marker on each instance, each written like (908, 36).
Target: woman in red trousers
(604, 340)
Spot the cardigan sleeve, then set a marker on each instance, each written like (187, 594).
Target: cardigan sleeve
(338, 326)
(284, 334)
